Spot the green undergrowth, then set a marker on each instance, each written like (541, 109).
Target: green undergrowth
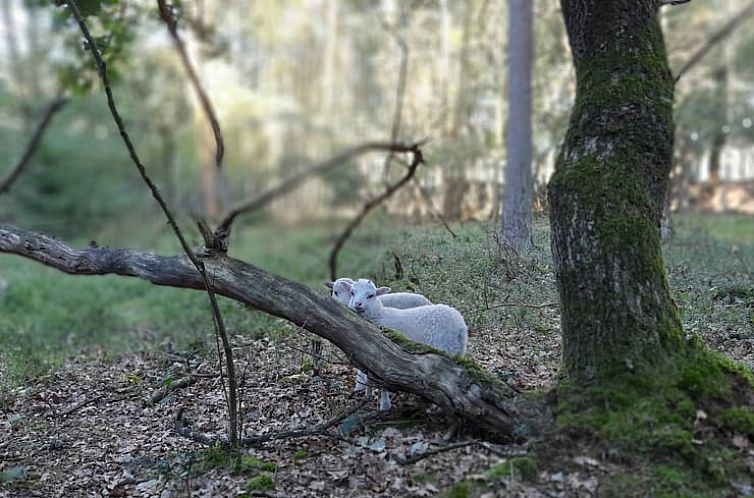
(677, 422)
(259, 473)
(522, 468)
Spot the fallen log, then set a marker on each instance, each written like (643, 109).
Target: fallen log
(456, 384)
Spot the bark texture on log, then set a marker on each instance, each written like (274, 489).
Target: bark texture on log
(465, 391)
(608, 190)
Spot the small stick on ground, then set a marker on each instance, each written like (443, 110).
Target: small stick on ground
(162, 392)
(507, 453)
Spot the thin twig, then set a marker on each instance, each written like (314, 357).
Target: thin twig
(433, 211)
(297, 179)
(450, 447)
(716, 38)
(198, 264)
(513, 305)
(181, 428)
(673, 2)
(418, 158)
(166, 13)
(95, 400)
(52, 108)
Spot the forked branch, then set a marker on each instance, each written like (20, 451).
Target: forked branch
(418, 158)
(293, 181)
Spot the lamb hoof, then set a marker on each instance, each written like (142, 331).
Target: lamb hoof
(384, 402)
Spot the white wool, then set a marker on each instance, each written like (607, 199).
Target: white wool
(438, 325)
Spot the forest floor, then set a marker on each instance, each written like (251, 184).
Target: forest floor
(79, 426)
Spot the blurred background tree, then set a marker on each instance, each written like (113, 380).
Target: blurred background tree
(294, 82)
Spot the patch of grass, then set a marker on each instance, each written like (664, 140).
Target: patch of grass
(225, 458)
(517, 467)
(459, 490)
(300, 455)
(262, 482)
(422, 477)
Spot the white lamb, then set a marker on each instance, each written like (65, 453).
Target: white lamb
(341, 292)
(438, 325)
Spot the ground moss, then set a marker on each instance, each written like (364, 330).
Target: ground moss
(739, 418)
(655, 416)
(459, 490)
(223, 457)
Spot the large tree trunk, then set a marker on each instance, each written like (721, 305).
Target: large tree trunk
(607, 193)
(464, 390)
(517, 193)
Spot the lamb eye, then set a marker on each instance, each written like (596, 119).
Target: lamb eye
(336, 293)
(370, 296)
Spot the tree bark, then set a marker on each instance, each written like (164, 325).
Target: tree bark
(607, 193)
(517, 190)
(466, 391)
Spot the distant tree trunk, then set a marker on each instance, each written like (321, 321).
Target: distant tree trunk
(720, 137)
(517, 193)
(608, 190)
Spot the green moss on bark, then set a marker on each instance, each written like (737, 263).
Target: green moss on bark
(657, 415)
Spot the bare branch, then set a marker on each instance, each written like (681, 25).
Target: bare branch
(466, 391)
(673, 2)
(390, 190)
(433, 211)
(166, 13)
(197, 263)
(297, 179)
(52, 108)
(716, 38)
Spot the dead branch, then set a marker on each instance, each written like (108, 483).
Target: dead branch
(467, 392)
(716, 38)
(293, 181)
(673, 2)
(400, 90)
(166, 13)
(52, 108)
(505, 453)
(162, 392)
(418, 158)
(231, 393)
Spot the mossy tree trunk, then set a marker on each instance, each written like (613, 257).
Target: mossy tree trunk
(608, 190)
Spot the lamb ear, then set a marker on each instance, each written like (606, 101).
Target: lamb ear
(382, 290)
(328, 283)
(347, 285)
